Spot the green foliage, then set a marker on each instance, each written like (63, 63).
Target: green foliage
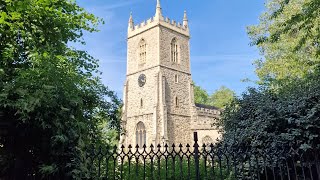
(283, 112)
(200, 95)
(266, 121)
(220, 98)
(288, 38)
(51, 98)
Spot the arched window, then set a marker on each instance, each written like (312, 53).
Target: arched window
(141, 134)
(207, 140)
(174, 51)
(143, 51)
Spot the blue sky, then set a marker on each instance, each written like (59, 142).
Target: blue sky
(220, 50)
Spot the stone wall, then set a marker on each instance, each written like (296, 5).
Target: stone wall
(179, 90)
(151, 38)
(148, 93)
(166, 37)
(179, 130)
(203, 123)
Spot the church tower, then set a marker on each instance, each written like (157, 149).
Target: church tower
(158, 92)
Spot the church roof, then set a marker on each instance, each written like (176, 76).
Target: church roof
(206, 106)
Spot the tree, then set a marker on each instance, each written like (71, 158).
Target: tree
(266, 121)
(306, 19)
(221, 97)
(200, 95)
(52, 104)
(284, 112)
(288, 38)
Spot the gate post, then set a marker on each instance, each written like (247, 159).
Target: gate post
(196, 154)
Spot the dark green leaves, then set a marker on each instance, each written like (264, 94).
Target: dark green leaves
(265, 120)
(54, 101)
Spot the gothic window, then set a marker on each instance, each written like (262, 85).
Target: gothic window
(207, 140)
(143, 51)
(176, 78)
(141, 135)
(174, 51)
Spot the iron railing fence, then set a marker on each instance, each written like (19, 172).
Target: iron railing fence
(198, 162)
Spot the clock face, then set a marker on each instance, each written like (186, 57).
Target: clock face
(142, 80)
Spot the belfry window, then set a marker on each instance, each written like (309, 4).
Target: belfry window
(143, 51)
(141, 135)
(174, 51)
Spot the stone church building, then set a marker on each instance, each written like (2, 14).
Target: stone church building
(158, 92)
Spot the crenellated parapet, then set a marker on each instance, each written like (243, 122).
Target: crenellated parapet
(158, 20)
(208, 112)
(152, 22)
(205, 116)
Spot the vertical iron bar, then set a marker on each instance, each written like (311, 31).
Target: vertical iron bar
(273, 171)
(310, 170)
(228, 165)
(181, 173)
(235, 167)
(251, 174)
(144, 168)
(121, 167)
(174, 167)
(241, 170)
(212, 166)
(129, 167)
(159, 174)
(196, 155)
(265, 167)
(302, 166)
(317, 163)
(220, 168)
(137, 163)
(114, 168)
(205, 166)
(151, 167)
(281, 173)
(166, 158)
(295, 168)
(99, 166)
(258, 168)
(189, 167)
(288, 170)
(107, 166)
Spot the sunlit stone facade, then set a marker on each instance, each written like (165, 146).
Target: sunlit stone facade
(158, 92)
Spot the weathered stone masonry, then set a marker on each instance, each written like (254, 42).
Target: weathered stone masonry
(158, 90)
